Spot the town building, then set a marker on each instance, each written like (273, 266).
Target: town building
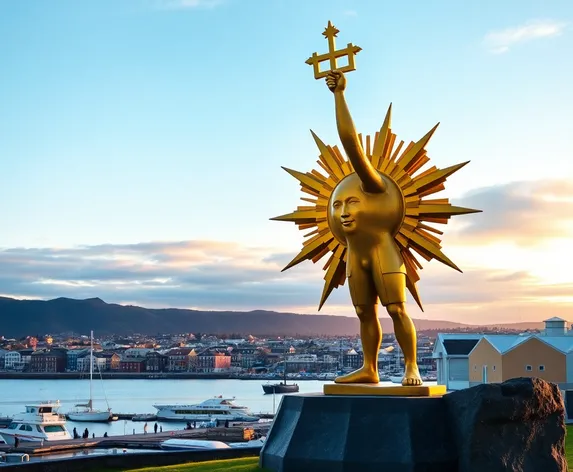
(72, 358)
(465, 360)
(451, 352)
(155, 361)
(132, 364)
(212, 360)
(54, 360)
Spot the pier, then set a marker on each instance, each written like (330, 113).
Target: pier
(140, 441)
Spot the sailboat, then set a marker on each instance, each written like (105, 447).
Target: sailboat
(281, 387)
(85, 411)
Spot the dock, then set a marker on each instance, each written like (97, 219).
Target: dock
(140, 441)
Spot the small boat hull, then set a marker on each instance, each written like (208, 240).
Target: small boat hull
(280, 388)
(192, 444)
(91, 416)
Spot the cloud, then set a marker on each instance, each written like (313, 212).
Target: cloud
(529, 217)
(499, 42)
(227, 276)
(519, 213)
(188, 4)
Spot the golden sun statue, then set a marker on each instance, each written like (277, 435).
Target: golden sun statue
(372, 215)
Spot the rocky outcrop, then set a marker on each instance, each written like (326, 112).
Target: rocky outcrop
(514, 426)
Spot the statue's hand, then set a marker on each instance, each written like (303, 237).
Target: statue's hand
(336, 81)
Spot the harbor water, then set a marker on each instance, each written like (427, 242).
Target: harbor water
(138, 396)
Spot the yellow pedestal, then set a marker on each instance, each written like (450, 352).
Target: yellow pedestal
(384, 390)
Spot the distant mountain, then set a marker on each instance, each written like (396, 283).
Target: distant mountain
(30, 317)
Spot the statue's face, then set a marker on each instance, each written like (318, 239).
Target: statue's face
(348, 206)
(352, 211)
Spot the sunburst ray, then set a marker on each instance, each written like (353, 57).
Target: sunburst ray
(405, 167)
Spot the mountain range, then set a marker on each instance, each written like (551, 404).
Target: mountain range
(33, 317)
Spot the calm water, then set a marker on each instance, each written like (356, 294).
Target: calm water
(137, 396)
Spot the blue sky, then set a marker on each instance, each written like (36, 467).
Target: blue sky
(159, 121)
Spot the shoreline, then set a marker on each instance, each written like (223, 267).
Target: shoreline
(146, 376)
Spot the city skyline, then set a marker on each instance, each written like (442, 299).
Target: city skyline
(141, 160)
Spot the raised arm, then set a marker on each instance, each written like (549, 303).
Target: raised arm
(371, 180)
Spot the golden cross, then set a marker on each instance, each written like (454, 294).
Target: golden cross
(333, 55)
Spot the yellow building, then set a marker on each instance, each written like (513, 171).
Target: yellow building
(497, 358)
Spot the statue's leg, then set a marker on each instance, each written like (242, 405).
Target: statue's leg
(406, 336)
(363, 294)
(392, 291)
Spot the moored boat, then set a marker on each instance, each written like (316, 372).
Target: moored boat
(218, 408)
(40, 422)
(282, 387)
(86, 411)
(192, 444)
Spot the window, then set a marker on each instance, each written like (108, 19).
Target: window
(475, 367)
(53, 428)
(528, 368)
(541, 368)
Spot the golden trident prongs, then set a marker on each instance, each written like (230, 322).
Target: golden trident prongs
(332, 55)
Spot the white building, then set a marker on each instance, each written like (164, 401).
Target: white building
(451, 352)
(12, 360)
(556, 327)
(99, 363)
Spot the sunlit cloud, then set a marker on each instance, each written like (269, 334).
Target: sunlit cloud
(519, 213)
(516, 258)
(499, 42)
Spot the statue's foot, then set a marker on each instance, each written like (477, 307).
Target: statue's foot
(361, 375)
(412, 376)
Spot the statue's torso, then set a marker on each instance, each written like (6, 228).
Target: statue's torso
(383, 257)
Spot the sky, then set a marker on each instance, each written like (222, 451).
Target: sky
(141, 145)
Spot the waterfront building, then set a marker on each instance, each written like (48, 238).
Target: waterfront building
(451, 352)
(98, 363)
(464, 360)
(13, 360)
(112, 359)
(155, 362)
(72, 358)
(2, 362)
(51, 361)
(26, 357)
(180, 359)
(245, 356)
(212, 360)
(132, 364)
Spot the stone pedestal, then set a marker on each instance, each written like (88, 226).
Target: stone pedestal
(329, 433)
(516, 426)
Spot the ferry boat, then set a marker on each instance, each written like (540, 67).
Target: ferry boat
(218, 408)
(40, 422)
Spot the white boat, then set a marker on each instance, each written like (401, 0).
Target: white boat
(85, 411)
(260, 442)
(40, 422)
(192, 444)
(218, 408)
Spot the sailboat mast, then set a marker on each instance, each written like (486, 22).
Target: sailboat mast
(91, 365)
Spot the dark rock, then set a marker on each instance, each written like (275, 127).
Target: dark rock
(515, 426)
(321, 433)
